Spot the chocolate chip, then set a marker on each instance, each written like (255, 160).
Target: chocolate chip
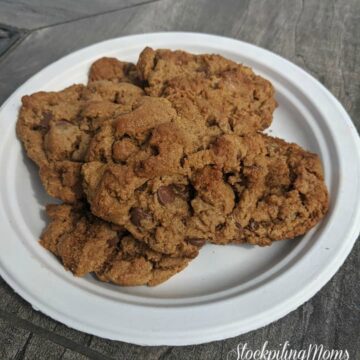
(113, 241)
(182, 160)
(211, 122)
(47, 116)
(118, 228)
(165, 195)
(253, 225)
(139, 167)
(238, 225)
(154, 150)
(137, 215)
(196, 241)
(44, 123)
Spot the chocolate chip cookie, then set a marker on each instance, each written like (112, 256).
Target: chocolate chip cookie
(56, 129)
(228, 95)
(254, 189)
(137, 174)
(112, 69)
(86, 244)
(159, 158)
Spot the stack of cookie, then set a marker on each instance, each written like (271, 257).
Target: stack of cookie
(154, 160)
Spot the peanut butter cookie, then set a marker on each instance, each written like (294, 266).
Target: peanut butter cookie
(56, 129)
(86, 244)
(228, 95)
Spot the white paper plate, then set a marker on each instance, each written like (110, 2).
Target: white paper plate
(226, 290)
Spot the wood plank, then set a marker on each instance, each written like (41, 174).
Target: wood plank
(328, 319)
(40, 50)
(75, 336)
(12, 340)
(33, 14)
(38, 335)
(121, 350)
(38, 348)
(260, 23)
(8, 36)
(71, 355)
(16, 306)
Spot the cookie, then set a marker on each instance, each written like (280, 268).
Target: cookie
(254, 189)
(169, 154)
(112, 69)
(86, 244)
(228, 95)
(135, 174)
(56, 129)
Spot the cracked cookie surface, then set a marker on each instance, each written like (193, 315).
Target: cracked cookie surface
(169, 155)
(256, 189)
(86, 244)
(107, 68)
(252, 188)
(227, 95)
(56, 129)
(136, 174)
(234, 188)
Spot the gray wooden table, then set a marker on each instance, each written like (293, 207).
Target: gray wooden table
(322, 37)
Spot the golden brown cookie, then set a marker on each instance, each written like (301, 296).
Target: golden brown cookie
(167, 169)
(86, 244)
(112, 69)
(135, 175)
(254, 189)
(228, 95)
(56, 129)
(166, 143)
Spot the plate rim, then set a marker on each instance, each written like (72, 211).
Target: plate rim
(312, 287)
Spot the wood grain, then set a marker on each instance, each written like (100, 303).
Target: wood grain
(8, 36)
(323, 37)
(33, 14)
(12, 340)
